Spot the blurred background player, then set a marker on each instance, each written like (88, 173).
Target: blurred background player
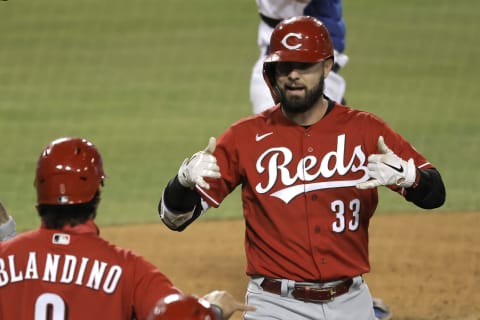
(7, 225)
(65, 267)
(271, 13)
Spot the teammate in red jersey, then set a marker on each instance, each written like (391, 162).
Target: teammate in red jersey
(64, 270)
(309, 169)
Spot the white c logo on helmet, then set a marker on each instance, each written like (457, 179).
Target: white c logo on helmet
(291, 34)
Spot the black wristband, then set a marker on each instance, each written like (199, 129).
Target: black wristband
(180, 198)
(429, 191)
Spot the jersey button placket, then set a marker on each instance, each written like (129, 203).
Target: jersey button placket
(313, 198)
(309, 148)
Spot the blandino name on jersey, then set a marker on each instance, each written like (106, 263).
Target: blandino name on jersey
(61, 268)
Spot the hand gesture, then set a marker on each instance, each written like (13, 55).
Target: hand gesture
(387, 169)
(202, 164)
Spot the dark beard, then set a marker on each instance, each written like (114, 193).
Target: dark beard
(300, 105)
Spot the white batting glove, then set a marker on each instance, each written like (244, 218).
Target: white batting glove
(387, 169)
(201, 165)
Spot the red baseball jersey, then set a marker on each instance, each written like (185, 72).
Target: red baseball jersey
(74, 274)
(305, 219)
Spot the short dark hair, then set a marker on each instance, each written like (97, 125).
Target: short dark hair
(57, 216)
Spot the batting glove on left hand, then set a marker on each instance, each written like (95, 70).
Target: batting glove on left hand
(202, 164)
(387, 169)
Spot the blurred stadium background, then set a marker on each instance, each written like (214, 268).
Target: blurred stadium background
(149, 81)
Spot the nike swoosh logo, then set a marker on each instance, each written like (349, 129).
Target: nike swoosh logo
(398, 169)
(262, 136)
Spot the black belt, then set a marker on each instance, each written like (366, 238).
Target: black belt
(272, 23)
(309, 293)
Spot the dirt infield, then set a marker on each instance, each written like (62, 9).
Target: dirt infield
(426, 266)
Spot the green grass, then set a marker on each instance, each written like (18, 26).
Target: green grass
(150, 81)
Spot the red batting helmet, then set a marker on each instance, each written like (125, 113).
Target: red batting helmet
(69, 171)
(182, 307)
(297, 39)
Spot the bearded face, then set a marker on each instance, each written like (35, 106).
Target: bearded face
(300, 85)
(302, 103)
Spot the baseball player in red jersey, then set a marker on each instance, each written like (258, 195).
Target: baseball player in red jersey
(309, 169)
(64, 270)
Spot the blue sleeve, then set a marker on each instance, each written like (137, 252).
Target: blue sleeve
(330, 13)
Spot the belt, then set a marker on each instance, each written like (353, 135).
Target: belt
(272, 23)
(309, 293)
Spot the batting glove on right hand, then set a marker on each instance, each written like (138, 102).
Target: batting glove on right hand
(387, 169)
(202, 164)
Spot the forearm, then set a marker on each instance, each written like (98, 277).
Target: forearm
(430, 191)
(179, 198)
(179, 206)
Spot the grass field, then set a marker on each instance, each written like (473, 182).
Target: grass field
(149, 82)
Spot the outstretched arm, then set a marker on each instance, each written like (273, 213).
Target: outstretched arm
(180, 204)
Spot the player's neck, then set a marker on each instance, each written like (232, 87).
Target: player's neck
(310, 116)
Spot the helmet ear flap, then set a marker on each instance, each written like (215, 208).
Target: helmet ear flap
(269, 77)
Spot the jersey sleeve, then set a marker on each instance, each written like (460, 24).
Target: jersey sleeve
(227, 156)
(402, 148)
(150, 284)
(376, 127)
